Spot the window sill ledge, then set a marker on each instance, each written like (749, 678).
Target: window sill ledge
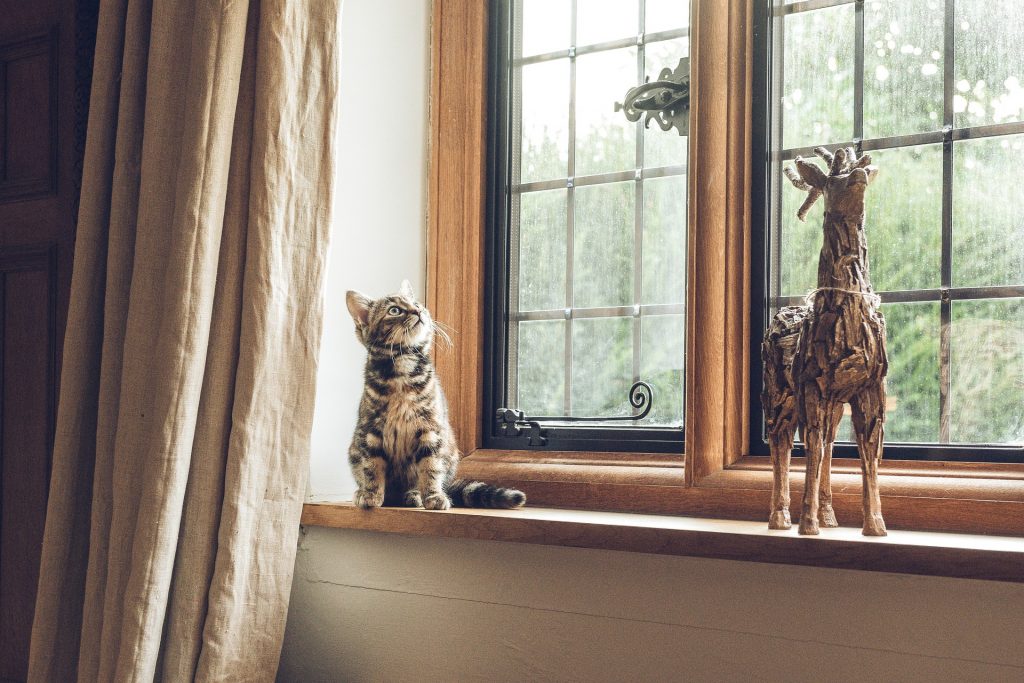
(933, 497)
(904, 552)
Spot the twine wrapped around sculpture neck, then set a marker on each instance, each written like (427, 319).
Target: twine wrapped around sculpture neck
(873, 299)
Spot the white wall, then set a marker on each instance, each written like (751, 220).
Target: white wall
(379, 607)
(376, 607)
(380, 224)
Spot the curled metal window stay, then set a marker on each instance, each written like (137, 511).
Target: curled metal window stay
(515, 423)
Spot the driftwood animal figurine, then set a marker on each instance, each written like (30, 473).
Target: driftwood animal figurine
(829, 352)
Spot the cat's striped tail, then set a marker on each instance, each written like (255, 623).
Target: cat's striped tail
(476, 494)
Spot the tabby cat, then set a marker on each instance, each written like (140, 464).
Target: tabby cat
(403, 451)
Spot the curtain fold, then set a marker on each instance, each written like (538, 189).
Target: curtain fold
(190, 357)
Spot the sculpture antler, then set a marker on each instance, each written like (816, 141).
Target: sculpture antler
(813, 193)
(809, 177)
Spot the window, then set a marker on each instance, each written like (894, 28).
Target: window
(589, 223)
(728, 144)
(934, 90)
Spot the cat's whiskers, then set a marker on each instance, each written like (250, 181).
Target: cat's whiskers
(438, 323)
(443, 336)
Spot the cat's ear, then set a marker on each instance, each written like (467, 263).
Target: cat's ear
(406, 290)
(358, 306)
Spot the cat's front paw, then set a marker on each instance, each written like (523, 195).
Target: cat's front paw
(369, 499)
(437, 501)
(412, 499)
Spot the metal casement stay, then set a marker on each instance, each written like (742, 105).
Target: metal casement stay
(515, 423)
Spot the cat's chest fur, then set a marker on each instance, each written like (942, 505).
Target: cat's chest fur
(404, 415)
(402, 421)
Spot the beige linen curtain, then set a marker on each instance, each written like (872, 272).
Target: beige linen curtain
(189, 365)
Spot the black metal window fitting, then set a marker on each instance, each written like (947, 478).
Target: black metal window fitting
(586, 229)
(934, 89)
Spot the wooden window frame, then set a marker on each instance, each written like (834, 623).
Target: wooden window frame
(715, 477)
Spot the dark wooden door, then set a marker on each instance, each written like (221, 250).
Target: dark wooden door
(45, 61)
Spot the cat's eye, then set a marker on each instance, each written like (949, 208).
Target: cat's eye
(394, 310)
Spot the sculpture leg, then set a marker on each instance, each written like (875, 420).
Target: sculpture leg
(781, 443)
(826, 515)
(869, 426)
(814, 445)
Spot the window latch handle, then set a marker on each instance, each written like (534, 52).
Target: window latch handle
(665, 101)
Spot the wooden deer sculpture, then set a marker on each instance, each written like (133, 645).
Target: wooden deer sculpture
(829, 352)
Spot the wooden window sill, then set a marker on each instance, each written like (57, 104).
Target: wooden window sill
(918, 496)
(904, 552)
